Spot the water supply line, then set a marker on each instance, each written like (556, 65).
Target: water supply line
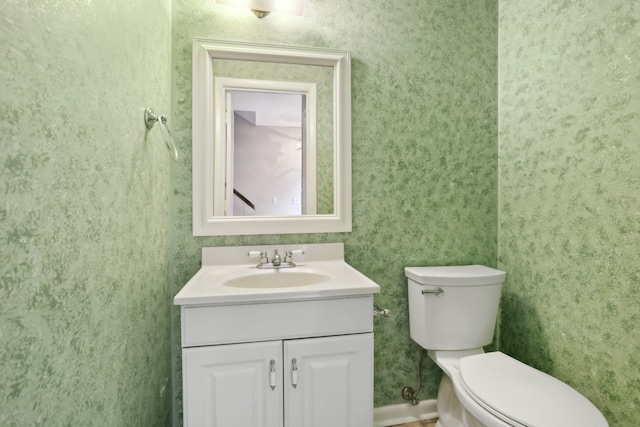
(409, 393)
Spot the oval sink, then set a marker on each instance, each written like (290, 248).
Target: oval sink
(277, 279)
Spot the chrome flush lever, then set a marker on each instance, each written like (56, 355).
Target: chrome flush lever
(437, 292)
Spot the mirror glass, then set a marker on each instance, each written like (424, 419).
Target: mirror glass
(266, 144)
(271, 139)
(278, 150)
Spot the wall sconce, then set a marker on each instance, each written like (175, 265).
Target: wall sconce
(262, 8)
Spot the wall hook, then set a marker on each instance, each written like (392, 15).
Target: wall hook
(150, 118)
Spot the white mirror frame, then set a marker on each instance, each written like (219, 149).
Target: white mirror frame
(204, 221)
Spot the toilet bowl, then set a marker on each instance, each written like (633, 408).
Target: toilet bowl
(452, 314)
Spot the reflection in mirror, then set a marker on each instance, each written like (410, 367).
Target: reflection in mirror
(316, 82)
(266, 144)
(269, 168)
(261, 166)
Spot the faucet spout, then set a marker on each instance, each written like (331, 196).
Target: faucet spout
(276, 260)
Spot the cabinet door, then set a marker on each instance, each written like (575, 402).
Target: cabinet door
(330, 383)
(233, 385)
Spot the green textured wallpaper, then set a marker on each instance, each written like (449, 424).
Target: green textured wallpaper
(84, 214)
(569, 236)
(424, 106)
(92, 208)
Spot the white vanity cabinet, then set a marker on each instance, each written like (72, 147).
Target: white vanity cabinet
(312, 382)
(290, 348)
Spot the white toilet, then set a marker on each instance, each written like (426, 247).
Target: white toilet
(452, 313)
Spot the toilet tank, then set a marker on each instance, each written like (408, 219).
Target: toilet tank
(453, 308)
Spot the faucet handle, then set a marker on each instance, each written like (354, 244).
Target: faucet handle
(261, 254)
(288, 255)
(254, 254)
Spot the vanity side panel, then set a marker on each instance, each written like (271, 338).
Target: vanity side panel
(210, 325)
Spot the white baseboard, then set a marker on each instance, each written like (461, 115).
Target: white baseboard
(403, 413)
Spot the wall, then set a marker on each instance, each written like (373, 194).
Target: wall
(570, 195)
(424, 146)
(84, 214)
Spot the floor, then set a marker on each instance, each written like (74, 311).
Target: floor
(426, 423)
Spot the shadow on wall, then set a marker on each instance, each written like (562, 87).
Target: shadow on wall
(521, 333)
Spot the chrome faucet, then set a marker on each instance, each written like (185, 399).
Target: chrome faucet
(276, 261)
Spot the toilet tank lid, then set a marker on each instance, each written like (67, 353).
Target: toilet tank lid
(461, 275)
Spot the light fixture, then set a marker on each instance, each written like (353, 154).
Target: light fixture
(262, 8)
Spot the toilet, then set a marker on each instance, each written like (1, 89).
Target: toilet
(452, 315)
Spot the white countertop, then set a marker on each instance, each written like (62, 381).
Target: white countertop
(207, 286)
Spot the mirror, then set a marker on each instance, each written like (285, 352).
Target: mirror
(262, 165)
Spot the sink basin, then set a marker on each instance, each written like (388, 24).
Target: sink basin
(277, 279)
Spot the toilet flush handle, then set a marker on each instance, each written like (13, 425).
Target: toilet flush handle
(437, 292)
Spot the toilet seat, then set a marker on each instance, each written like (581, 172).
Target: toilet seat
(523, 396)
